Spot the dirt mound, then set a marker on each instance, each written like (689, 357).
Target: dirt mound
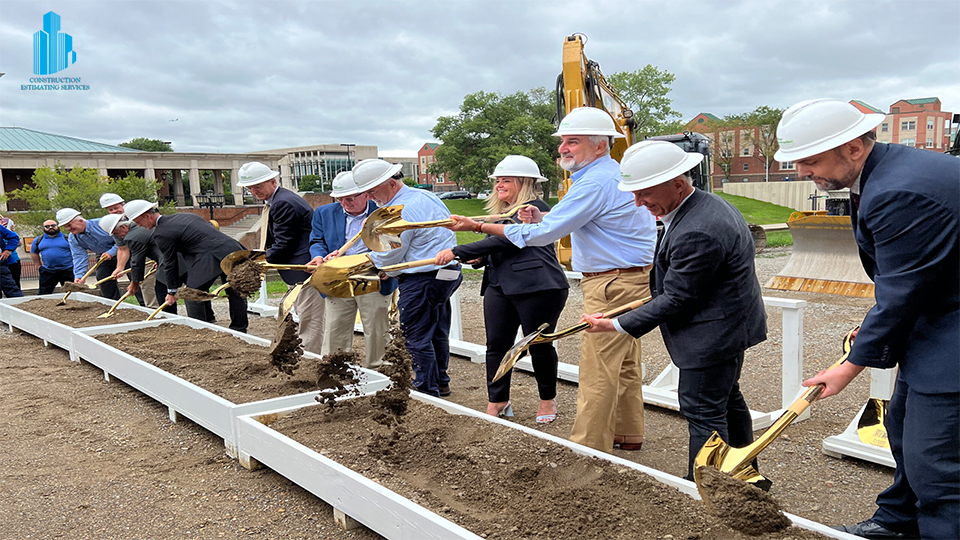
(741, 506)
(79, 314)
(245, 278)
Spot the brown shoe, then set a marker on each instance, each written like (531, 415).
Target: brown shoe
(620, 441)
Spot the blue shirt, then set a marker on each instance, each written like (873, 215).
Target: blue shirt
(54, 251)
(11, 241)
(607, 229)
(353, 226)
(418, 205)
(93, 238)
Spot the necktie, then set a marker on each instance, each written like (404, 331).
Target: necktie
(264, 221)
(855, 199)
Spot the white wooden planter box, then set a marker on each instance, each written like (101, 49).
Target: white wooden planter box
(52, 332)
(207, 409)
(388, 513)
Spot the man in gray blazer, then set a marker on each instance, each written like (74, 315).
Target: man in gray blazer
(706, 296)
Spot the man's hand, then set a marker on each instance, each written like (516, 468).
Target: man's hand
(117, 273)
(462, 223)
(598, 323)
(133, 287)
(106, 257)
(835, 379)
(530, 214)
(5, 255)
(170, 299)
(444, 257)
(80, 281)
(332, 255)
(315, 263)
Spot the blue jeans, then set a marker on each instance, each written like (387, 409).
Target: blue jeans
(425, 319)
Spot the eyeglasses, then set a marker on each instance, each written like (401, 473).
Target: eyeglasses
(49, 226)
(351, 198)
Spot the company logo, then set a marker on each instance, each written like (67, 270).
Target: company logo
(52, 49)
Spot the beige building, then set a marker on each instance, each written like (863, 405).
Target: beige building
(323, 160)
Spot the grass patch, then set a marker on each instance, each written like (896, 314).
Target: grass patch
(758, 212)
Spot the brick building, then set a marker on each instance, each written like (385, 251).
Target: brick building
(914, 122)
(425, 157)
(734, 156)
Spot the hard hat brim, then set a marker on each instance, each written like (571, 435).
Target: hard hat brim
(248, 183)
(591, 133)
(68, 220)
(690, 160)
(867, 123)
(345, 193)
(517, 175)
(388, 174)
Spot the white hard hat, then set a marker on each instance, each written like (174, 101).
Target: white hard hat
(588, 121)
(518, 166)
(110, 222)
(370, 173)
(817, 125)
(253, 173)
(344, 185)
(134, 209)
(650, 163)
(110, 199)
(66, 215)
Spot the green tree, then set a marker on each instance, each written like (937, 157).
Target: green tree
(491, 126)
(147, 145)
(57, 188)
(645, 92)
(760, 129)
(310, 182)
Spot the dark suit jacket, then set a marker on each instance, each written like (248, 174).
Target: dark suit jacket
(201, 246)
(516, 270)
(288, 233)
(706, 294)
(907, 231)
(329, 231)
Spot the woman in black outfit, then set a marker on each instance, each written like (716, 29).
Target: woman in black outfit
(521, 288)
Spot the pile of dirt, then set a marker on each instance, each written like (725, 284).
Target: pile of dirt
(194, 295)
(741, 506)
(245, 278)
(216, 361)
(502, 483)
(337, 374)
(79, 314)
(71, 286)
(286, 350)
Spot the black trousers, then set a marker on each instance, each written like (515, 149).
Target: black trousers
(49, 279)
(710, 400)
(8, 287)
(204, 310)
(108, 289)
(503, 314)
(15, 273)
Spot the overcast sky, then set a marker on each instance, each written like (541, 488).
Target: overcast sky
(245, 75)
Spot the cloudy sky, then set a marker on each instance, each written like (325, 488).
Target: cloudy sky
(246, 75)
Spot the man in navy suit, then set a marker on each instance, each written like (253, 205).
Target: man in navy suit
(285, 236)
(906, 218)
(706, 296)
(333, 224)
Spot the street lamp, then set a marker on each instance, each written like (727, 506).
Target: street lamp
(211, 201)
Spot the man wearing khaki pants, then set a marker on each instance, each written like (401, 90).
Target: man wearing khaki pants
(613, 243)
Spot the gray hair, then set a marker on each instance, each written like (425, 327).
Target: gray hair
(597, 139)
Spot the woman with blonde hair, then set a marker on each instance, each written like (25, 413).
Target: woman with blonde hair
(521, 287)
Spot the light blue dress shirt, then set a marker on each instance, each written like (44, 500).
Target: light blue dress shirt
(607, 229)
(353, 226)
(93, 238)
(418, 205)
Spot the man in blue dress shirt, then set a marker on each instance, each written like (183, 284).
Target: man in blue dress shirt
(86, 234)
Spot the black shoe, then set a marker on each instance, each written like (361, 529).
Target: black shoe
(444, 390)
(869, 529)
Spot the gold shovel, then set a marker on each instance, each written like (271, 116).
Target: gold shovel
(738, 462)
(85, 276)
(354, 275)
(513, 355)
(125, 295)
(381, 230)
(154, 314)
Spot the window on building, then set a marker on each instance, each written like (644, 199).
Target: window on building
(884, 127)
(908, 142)
(930, 123)
(725, 153)
(895, 110)
(787, 166)
(908, 125)
(746, 166)
(929, 142)
(746, 151)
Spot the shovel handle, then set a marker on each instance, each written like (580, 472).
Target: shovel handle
(92, 268)
(111, 277)
(154, 314)
(406, 265)
(579, 327)
(343, 249)
(497, 217)
(115, 305)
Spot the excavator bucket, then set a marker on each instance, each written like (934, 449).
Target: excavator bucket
(825, 258)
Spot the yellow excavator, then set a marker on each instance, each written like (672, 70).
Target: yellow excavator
(582, 84)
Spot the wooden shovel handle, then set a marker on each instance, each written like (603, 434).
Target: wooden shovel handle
(406, 265)
(579, 327)
(111, 277)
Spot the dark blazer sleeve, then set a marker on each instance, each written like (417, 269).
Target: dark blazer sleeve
(321, 229)
(137, 242)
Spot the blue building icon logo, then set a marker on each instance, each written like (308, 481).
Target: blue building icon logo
(52, 49)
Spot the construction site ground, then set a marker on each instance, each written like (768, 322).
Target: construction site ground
(86, 458)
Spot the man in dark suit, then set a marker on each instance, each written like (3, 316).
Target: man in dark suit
(906, 217)
(202, 248)
(333, 224)
(285, 235)
(706, 296)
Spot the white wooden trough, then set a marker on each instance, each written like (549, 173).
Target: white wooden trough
(355, 497)
(207, 409)
(52, 332)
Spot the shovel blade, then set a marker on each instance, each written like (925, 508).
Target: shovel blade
(242, 256)
(516, 352)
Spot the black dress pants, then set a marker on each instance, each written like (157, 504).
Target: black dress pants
(204, 310)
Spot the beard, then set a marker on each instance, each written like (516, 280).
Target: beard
(570, 164)
(826, 184)
(52, 233)
(845, 175)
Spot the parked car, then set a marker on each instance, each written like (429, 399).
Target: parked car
(454, 195)
(484, 195)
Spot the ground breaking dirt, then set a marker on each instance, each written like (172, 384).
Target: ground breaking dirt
(501, 483)
(78, 314)
(221, 363)
(286, 349)
(245, 278)
(740, 505)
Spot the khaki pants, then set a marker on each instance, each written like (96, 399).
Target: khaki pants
(309, 308)
(149, 289)
(610, 395)
(341, 314)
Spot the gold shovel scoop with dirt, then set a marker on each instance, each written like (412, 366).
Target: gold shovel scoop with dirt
(516, 352)
(381, 230)
(355, 275)
(738, 462)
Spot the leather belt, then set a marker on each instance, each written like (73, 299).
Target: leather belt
(619, 271)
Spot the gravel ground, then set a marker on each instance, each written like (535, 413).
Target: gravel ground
(73, 446)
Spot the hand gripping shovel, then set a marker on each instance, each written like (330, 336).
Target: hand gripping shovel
(381, 231)
(124, 297)
(513, 355)
(354, 275)
(737, 462)
(85, 276)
